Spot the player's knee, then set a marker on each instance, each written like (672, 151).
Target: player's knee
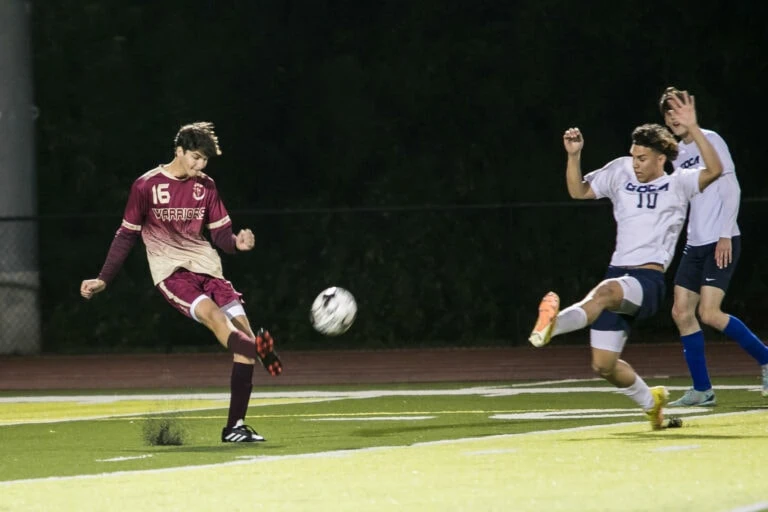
(603, 370)
(681, 314)
(710, 316)
(207, 316)
(608, 292)
(213, 318)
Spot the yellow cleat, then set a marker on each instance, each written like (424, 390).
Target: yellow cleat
(545, 324)
(656, 413)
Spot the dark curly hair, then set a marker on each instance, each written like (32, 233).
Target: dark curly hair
(198, 136)
(659, 139)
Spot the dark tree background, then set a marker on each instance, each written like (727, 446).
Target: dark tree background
(407, 150)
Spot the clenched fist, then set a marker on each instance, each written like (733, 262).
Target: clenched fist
(91, 287)
(245, 240)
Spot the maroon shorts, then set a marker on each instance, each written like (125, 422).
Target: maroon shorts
(184, 289)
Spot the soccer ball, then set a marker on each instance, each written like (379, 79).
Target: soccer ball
(333, 311)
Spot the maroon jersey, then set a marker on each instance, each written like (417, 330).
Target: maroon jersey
(170, 214)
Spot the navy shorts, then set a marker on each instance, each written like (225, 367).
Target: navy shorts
(654, 288)
(698, 267)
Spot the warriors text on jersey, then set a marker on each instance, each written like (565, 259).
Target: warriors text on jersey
(714, 211)
(171, 213)
(649, 216)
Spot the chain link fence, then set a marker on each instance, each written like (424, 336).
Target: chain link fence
(19, 289)
(422, 276)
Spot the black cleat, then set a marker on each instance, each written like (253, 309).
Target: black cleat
(265, 348)
(240, 433)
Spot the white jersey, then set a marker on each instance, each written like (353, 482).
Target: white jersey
(649, 216)
(714, 211)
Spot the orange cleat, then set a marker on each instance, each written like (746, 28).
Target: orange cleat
(545, 324)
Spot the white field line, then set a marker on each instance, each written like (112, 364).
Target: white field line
(372, 418)
(554, 382)
(754, 507)
(315, 396)
(511, 390)
(121, 459)
(573, 429)
(171, 407)
(96, 417)
(565, 414)
(335, 453)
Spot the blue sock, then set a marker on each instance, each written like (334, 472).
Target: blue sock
(693, 348)
(736, 330)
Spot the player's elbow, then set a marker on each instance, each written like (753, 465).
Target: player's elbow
(711, 175)
(717, 169)
(578, 192)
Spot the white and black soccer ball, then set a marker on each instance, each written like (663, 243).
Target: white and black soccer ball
(333, 311)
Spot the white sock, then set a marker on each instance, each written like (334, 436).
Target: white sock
(640, 393)
(570, 319)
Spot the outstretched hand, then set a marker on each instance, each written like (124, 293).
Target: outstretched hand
(245, 240)
(573, 141)
(90, 287)
(683, 109)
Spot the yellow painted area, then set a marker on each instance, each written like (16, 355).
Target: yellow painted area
(711, 464)
(79, 409)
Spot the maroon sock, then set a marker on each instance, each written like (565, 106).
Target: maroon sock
(240, 386)
(238, 343)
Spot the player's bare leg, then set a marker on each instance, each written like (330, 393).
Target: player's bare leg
(684, 311)
(209, 314)
(606, 364)
(710, 310)
(605, 296)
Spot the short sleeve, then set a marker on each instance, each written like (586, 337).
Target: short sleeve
(603, 181)
(688, 180)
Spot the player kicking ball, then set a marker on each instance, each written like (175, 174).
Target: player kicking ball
(169, 207)
(649, 207)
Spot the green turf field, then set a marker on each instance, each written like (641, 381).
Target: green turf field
(497, 446)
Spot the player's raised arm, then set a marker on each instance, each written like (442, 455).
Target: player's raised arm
(684, 112)
(577, 187)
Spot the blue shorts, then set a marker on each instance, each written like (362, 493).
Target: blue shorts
(654, 288)
(698, 267)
